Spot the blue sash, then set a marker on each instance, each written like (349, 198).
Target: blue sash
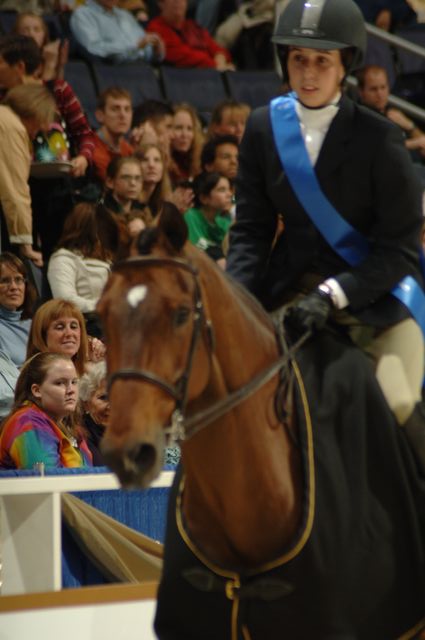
(347, 242)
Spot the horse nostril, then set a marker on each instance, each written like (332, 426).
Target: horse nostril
(143, 456)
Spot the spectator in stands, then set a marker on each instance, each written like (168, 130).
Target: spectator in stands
(124, 194)
(229, 118)
(187, 44)
(209, 220)
(153, 122)
(124, 185)
(54, 53)
(20, 60)
(17, 302)
(95, 404)
(25, 110)
(114, 112)
(374, 91)
(246, 34)
(79, 268)
(156, 186)
(387, 14)
(37, 430)
(58, 326)
(186, 145)
(221, 154)
(156, 181)
(104, 30)
(68, 138)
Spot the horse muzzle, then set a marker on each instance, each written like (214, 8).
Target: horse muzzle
(136, 467)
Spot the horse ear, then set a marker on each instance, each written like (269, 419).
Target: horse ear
(171, 223)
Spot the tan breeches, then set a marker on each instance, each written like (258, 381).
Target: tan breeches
(399, 355)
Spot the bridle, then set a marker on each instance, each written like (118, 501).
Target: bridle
(182, 427)
(177, 391)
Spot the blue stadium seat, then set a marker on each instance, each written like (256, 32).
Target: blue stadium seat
(255, 88)
(139, 78)
(410, 82)
(80, 77)
(7, 20)
(202, 88)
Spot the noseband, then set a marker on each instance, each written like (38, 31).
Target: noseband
(182, 427)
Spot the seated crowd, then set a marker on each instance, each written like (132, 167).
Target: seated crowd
(75, 225)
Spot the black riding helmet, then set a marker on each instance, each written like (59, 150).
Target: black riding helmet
(322, 24)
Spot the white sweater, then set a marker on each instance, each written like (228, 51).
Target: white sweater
(77, 279)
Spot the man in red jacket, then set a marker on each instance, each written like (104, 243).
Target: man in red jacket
(187, 43)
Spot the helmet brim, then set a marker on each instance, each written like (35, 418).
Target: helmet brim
(309, 42)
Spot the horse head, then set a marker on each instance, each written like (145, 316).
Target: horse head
(157, 348)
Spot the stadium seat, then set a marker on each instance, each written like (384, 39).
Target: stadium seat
(138, 78)
(202, 88)
(255, 88)
(410, 82)
(7, 20)
(80, 77)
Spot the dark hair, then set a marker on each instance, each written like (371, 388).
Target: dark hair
(117, 162)
(92, 230)
(16, 48)
(111, 92)
(209, 149)
(361, 74)
(30, 296)
(34, 371)
(204, 183)
(151, 110)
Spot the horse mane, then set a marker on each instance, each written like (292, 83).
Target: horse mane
(251, 306)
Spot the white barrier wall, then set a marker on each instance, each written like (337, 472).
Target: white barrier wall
(30, 527)
(122, 612)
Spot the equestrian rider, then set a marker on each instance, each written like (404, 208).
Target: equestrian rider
(341, 179)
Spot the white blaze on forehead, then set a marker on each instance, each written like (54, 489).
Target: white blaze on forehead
(136, 295)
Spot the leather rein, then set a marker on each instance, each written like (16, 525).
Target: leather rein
(182, 427)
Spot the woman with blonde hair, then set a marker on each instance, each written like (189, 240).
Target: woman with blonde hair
(156, 185)
(186, 144)
(58, 326)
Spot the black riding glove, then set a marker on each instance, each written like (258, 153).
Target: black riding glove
(311, 312)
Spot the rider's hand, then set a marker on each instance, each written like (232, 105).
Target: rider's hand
(310, 313)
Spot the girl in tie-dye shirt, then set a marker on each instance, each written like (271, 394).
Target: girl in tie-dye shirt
(37, 430)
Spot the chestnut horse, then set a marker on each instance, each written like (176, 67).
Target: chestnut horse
(307, 529)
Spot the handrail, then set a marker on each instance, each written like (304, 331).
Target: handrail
(401, 43)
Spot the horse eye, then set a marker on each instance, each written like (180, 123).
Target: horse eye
(181, 315)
